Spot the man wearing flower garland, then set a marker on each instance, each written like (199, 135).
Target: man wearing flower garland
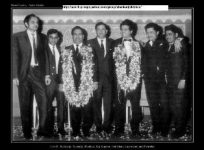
(102, 45)
(80, 80)
(153, 67)
(127, 57)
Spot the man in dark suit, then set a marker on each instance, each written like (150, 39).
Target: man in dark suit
(82, 113)
(177, 74)
(102, 45)
(53, 81)
(153, 67)
(128, 30)
(29, 70)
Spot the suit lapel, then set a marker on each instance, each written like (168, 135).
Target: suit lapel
(27, 40)
(27, 44)
(99, 51)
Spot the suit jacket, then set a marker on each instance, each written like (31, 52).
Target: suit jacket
(176, 68)
(21, 49)
(77, 60)
(153, 60)
(104, 63)
(51, 67)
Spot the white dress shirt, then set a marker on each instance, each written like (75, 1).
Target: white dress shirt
(57, 56)
(104, 44)
(79, 46)
(30, 36)
(127, 45)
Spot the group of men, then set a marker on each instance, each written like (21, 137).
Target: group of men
(162, 62)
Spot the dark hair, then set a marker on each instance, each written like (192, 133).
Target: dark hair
(40, 22)
(156, 27)
(84, 32)
(60, 35)
(132, 26)
(174, 29)
(106, 26)
(28, 17)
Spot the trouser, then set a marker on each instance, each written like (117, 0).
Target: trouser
(120, 110)
(158, 104)
(53, 92)
(178, 108)
(33, 84)
(82, 116)
(104, 92)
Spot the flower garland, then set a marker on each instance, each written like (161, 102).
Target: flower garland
(125, 82)
(86, 86)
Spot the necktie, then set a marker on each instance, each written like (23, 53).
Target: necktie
(34, 48)
(53, 51)
(77, 49)
(102, 47)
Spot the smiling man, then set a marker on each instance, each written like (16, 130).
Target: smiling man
(29, 69)
(153, 68)
(79, 76)
(52, 82)
(102, 45)
(177, 75)
(127, 78)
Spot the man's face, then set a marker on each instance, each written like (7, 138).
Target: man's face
(101, 31)
(53, 39)
(125, 31)
(77, 36)
(152, 34)
(32, 24)
(171, 36)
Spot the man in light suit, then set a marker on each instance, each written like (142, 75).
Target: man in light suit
(102, 45)
(53, 81)
(29, 70)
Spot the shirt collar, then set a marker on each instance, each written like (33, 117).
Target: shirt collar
(51, 46)
(79, 45)
(31, 33)
(99, 40)
(127, 39)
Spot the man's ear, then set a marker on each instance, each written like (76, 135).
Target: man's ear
(26, 24)
(157, 32)
(176, 34)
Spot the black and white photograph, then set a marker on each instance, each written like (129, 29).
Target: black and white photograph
(102, 73)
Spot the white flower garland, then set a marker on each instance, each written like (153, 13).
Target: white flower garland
(125, 82)
(86, 86)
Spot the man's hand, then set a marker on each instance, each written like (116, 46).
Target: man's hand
(181, 84)
(16, 81)
(47, 80)
(95, 85)
(61, 87)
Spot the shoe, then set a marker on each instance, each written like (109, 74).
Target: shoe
(135, 135)
(117, 134)
(100, 135)
(164, 134)
(176, 134)
(62, 132)
(27, 137)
